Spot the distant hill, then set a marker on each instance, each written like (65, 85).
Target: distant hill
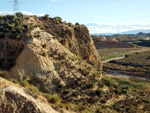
(126, 32)
(136, 31)
(102, 33)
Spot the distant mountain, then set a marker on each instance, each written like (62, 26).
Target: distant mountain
(103, 33)
(136, 31)
(126, 32)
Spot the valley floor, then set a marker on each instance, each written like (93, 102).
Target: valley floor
(135, 64)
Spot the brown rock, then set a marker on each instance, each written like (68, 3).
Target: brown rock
(15, 100)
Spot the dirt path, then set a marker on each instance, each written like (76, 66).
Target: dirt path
(117, 58)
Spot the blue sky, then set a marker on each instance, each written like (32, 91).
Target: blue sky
(100, 16)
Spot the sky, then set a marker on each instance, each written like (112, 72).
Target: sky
(100, 16)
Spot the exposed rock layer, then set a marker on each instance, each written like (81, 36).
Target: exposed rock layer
(14, 99)
(76, 38)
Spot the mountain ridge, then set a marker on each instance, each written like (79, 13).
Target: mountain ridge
(125, 32)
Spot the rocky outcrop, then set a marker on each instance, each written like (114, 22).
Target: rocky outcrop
(76, 38)
(34, 62)
(14, 99)
(47, 64)
(87, 48)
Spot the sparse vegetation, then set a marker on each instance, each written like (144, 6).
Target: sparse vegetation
(15, 26)
(140, 59)
(78, 86)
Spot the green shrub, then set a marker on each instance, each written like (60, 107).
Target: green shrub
(54, 99)
(27, 27)
(25, 83)
(100, 84)
(114, 106)
(6, 30)
(99, 92)
(89, 85)
(89, 68)
(19, 14)
(46, 16)
(70, 24)
(58, 18)
(1, 28)
(42, 28)
(14, 81)
(57, 22)
(44, 45)
(18, 36)
(33, 89)
(28, 35)
(77, 23)
(124, 91)
(146, 100)
(19, 29)
(99, 110)
(66, 92)
(117, 91)
(107, 82)
(44, 54)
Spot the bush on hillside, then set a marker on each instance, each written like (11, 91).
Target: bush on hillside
(57, 20)
(46, 16)
(77, 23)
(70, 24)
(19, 14)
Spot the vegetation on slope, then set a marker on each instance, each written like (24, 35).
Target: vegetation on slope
(86, 90)
(113, 95)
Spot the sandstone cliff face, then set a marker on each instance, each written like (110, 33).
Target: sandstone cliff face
(87, 48)
(47, 64)
(76, 38)
(34, 63)
(14, 99)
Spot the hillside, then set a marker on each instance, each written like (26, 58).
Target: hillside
(11, 93)
(55, 67)
(28, 53)
(136, 31)
(111, 42)
(74, 37)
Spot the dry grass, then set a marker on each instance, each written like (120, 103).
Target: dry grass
(108, 53)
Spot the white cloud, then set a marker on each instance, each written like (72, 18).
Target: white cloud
(24, 12)
(97, 27)
(53, 0)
